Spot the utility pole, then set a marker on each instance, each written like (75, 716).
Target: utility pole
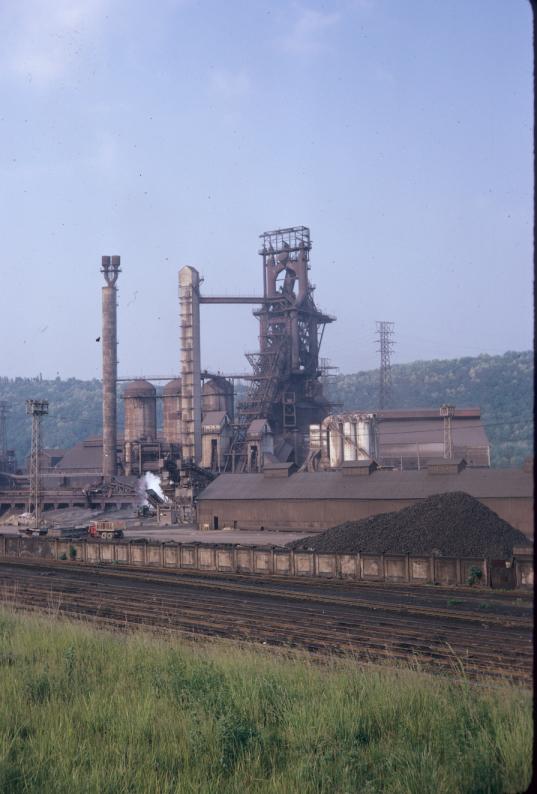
(448, 412)
(36, 409)
(385, 341)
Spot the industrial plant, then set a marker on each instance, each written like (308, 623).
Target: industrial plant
(279, 438)
(270, 480)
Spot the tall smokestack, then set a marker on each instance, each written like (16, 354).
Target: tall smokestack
(110, 269)
(190, 363)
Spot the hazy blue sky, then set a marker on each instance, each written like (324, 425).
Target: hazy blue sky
(174, 133)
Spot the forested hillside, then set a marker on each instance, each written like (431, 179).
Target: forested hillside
(501, 385)
(75, 411)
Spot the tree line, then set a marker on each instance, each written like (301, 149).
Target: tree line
(501, 385)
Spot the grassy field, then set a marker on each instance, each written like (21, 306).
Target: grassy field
(86, 710)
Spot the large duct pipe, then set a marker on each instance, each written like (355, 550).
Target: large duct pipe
(190, 363)
(110, 269)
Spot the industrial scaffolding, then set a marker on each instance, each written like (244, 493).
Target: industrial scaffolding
(285, 386)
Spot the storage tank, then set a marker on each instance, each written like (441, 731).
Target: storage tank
(217, 395)
(334, 429)
(140, 411)
(171, 409)
(350, 441)
(366, 424)
(348, 437)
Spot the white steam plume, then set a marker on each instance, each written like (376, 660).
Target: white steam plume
(150, 480)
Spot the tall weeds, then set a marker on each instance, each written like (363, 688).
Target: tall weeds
(83, 710)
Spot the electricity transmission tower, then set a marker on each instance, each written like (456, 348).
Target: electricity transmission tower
(4, 408)
(385, 341)
(448, 412)
(37, 409)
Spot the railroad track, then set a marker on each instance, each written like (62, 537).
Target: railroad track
(372, 590)
(371, 623)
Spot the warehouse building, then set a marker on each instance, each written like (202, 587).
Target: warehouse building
(279, 499)
(407, 438)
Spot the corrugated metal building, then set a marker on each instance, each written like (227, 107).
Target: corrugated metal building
(409, 438)
(318, 500)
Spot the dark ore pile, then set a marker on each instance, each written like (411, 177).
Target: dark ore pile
(449, 524)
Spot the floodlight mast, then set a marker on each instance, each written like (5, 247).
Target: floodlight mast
(37, 409)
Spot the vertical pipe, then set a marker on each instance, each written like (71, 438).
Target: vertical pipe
(295, 341)
(110, 269)
(128, 458)
(349, 451)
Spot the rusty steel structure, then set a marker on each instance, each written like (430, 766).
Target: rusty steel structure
(285, 389)
(286, 385)
(110, 268)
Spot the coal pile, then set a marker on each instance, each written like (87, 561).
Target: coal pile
(449, 524)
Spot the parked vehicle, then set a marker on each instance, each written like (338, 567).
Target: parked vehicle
(33, 531)
(107, 530)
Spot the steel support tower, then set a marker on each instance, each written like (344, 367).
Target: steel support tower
(37, 409)
(286, 387)
(385, 347)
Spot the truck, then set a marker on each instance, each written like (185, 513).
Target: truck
(106, 529)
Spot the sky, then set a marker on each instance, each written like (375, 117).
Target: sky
(176, 132)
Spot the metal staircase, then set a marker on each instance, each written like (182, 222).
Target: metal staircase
(268, 368)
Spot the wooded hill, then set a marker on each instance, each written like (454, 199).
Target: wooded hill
(501, 385)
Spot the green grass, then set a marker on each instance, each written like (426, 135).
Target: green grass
(86, 710)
